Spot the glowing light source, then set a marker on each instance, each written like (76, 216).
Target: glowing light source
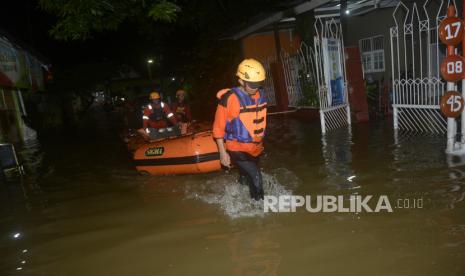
(150, 61)
(347, 12)
(17, 235)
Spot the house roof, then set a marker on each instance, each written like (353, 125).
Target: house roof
(23, 46)
(322, 8)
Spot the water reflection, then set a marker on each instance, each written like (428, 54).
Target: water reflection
(255, 252)
(337, 155)
(88, 209)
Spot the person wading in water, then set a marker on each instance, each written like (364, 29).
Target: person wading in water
(239, 126)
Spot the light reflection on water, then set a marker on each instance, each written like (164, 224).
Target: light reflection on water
(82, 210)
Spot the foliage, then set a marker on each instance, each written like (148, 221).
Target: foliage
(309, 90)
(78, 19)
(164, 11)
(186, 43)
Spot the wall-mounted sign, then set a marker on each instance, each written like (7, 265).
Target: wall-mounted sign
(333, 70)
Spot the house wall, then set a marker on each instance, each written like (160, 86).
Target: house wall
(19, 70)
(371, 24)
(262, 45)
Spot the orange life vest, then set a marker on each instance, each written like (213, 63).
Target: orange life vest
(250, 126)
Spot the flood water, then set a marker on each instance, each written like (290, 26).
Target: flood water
(83, 210)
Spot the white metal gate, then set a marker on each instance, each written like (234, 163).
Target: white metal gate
(291, 77)
(416, 54)
(300, 76)
(269, 85)
(331, 74)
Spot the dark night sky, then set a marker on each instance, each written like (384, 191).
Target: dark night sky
(29, 25)
(26, 22)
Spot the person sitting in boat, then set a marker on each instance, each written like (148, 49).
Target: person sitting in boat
(156, 116)
(182, 110)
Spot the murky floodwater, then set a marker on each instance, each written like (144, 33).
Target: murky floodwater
(82, 210)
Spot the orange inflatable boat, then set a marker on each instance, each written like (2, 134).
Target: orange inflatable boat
(189, 154)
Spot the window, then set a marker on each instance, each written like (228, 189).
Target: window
(372, 54)
(2, 100)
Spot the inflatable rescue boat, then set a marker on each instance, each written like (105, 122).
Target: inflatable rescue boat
(189, 154)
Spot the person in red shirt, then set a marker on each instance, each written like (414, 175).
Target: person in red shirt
(155, 118)
(181, 108)
(239, 126)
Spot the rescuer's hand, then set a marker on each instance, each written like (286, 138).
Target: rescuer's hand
(143, 134)
(225, 160)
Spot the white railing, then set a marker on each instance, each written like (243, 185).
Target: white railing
(416, 55)
(269, 85)
(291, 66)
(300, 77)
(418, 92)
(331, 74)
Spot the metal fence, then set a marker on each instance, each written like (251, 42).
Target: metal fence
(269, 85)
(300, 76)
(291, 76)
(416, 54)
(331, 74)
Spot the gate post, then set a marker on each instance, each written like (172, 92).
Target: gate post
(322, 121)
(394, 117)
(462, 138)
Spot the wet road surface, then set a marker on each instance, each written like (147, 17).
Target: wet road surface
(83, 210)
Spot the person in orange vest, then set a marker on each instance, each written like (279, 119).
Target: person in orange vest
(155, 118)
(182, 111)
(239, 126)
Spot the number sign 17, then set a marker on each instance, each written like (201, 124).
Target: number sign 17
(451, 31)
(450, 34)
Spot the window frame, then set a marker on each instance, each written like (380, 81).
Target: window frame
(3, 104)
(375, 55)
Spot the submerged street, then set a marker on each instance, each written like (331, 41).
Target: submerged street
(82, 209)
(266, 137)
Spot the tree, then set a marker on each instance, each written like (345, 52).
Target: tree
(78, 19)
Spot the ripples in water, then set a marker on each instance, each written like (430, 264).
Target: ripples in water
(234, 199)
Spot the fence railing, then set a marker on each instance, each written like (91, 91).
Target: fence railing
(331, 74)
(269, 85)
(416, 55)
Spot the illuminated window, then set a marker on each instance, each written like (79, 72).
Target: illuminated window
(372, 54)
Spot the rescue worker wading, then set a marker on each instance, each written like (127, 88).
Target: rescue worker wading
(155, 119)
(240, 120)
(182, 111)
